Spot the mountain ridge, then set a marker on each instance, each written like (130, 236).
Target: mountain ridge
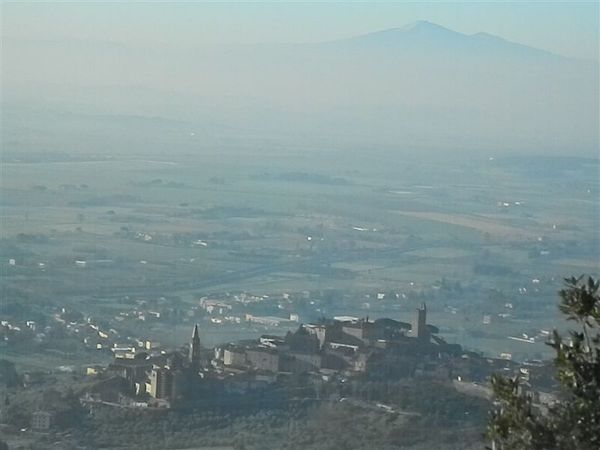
(434, 36)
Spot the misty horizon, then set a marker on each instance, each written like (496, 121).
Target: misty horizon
(418, 86)
(293, 225)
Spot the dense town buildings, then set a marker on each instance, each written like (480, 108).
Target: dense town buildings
(341, 348)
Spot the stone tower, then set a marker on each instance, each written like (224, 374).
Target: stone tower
(194, 355)
(419, 323)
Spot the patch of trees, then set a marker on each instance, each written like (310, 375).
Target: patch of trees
(18, 306)
(109, 200)
(32, 238)
(326, 426)
(519, 422)
(270, 419)
(66, 410)
(303, 177)
(158, 182)
(8, 374)
(492, 270)
(436, 400)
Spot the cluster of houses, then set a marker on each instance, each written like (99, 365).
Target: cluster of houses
(326, 351)
(343, 344)
(329, 349)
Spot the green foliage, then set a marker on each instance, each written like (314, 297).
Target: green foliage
(8, 374)
(517, 423)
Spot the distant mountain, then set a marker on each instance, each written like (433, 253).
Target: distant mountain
(426, 36)
(417, 86)
(421, 30)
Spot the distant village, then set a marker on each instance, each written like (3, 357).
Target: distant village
(329, 354)
(335, 350)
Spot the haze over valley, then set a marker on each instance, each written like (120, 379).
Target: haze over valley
(318, 243)
(420, 87)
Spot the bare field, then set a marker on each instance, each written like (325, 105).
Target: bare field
(474, 222)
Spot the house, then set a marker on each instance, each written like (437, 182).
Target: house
(160, 384)
(302, 341)
(234, 356)
(214, 306)
(263, 359)
(271, 341)
(346, 343)
(94, 370)
(41, 420)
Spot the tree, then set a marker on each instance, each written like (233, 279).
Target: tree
(8, 373)
(573, 422)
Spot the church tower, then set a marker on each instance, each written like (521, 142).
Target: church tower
(194, 355)
(419, 323)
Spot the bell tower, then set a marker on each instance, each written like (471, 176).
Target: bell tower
(419, 324)
(194, 355)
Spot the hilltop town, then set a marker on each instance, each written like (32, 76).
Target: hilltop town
(328, 351)
(336, 365)
(330, 348)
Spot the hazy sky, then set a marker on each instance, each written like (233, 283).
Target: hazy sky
(61, 71)
(569, 28)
